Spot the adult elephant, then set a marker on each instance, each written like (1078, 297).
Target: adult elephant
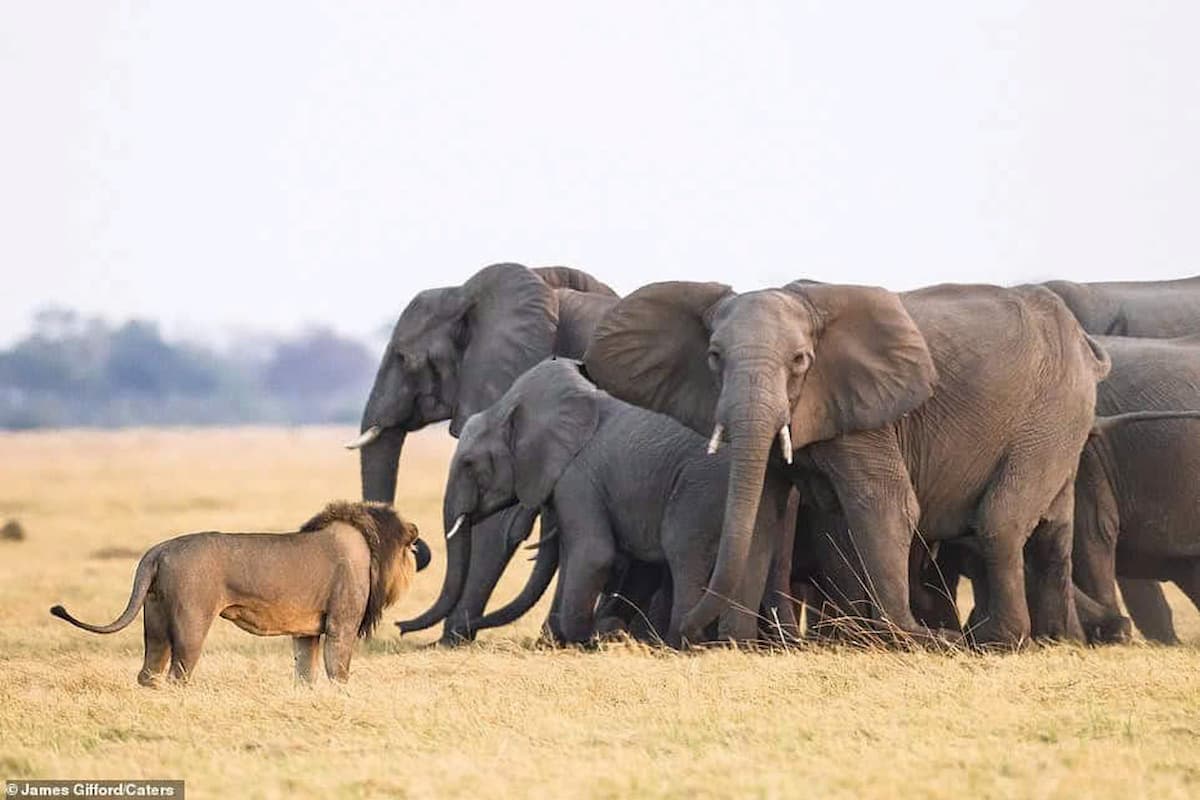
(1154, 309)
(1137, 494)
(454, 351)
(943, 410)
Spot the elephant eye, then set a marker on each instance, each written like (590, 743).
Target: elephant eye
(714, 360)
(802, 361)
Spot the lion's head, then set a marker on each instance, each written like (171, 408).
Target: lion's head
(394, 546)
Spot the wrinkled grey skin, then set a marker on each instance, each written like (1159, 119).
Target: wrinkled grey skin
(619, 480)
(454, 351)
(1151, 309)
(1139, 484)
(947, 409)
(1154, 309)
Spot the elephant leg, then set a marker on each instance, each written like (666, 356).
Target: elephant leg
(689, 573)
(157, 641)
(837, 602)
(933, 571)
(1187, 578)
(656, 624)
(551, 627)
(1027, 501)
(881, 514)
(627, 599)
(1149, 608)
(972, 566)
(588, 554)
(1007, 617)
(493, 543)
(1094, 550)
(1049, 592)
(780, 621)
(1098, 625)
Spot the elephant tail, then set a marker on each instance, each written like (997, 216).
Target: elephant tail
(147, 569)
(1103, 425)
(1102, 363)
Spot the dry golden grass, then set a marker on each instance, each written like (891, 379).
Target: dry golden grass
(504, 717)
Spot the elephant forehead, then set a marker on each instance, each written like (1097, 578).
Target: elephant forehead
(428, 310)
(547, 377)
(748, 316)
(474, 426)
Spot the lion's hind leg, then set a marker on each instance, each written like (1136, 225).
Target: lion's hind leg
(157, 641)
(304, 650)
(188, 630)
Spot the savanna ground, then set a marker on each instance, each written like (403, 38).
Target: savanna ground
(506, 717)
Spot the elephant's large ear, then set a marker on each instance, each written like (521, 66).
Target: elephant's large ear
(556, 416)
(511, 322)
(870, 363)
(571, 278)
(651, 349)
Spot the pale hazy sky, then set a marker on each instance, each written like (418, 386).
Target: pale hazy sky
(265, 164)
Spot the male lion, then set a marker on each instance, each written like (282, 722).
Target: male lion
(334, 577)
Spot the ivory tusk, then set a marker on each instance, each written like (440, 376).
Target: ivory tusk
(457, 524)
(785, 443)
(714, 443)
(365, 438)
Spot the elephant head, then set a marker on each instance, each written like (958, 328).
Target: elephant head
(513, 452)
(800, 364)
(453, 352)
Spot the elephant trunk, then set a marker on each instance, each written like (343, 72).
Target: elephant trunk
(387, 417)
(458, 556)
(539, 579)
(493, 542)
(752, 429)
(378, 464)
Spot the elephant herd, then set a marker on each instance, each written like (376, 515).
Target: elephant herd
(706, 463)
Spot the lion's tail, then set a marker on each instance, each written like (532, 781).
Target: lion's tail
(146, 570)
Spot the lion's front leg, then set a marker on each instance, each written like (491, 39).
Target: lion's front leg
(347, 604)
(304, 649)
(339, 646)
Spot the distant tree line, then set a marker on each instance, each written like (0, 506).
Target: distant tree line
(76, 371)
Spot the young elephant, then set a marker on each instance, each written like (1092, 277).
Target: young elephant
(332, 578)
(618, 479)
(1136, 495)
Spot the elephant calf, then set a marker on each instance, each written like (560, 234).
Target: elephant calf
(1136, 495)
(619, 480)
(332, 578)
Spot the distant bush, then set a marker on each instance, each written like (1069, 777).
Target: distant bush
(72, 371)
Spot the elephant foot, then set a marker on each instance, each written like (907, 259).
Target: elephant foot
(1111, 630)
(611, 626)
(150, 680)
(456, 638)
(994, 636)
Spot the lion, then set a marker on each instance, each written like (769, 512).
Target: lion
(333, 578)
